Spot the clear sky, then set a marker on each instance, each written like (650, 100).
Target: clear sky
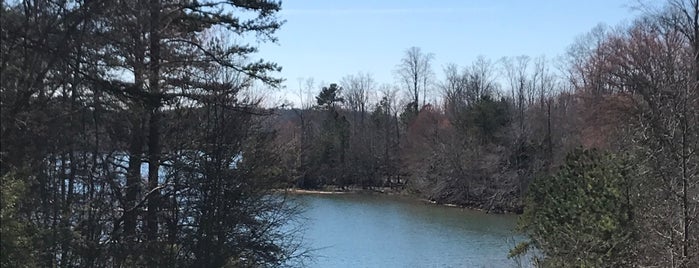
(327, 39)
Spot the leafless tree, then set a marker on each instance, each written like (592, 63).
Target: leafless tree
(482, 79)
(357, 90)
(516, 70)
(454, 89)
(415, 73)
(305, 93)
(649, 82)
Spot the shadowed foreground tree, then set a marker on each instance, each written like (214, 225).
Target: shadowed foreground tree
(224, 189)
(126, 140)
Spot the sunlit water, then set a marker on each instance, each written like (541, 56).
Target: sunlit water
(385, 231)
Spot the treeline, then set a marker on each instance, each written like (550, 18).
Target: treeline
(599, 148)
(489, 129)
(129, 137)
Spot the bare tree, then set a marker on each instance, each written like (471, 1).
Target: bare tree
(516, 71)
(415, 73)
(462, 88)
(482, 77)
(584, 60)
(454, 89)
(649, 81)
(543, 85)
(306, 87)
(674, 112)
(357, 91)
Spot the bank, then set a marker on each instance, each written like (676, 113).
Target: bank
(488, 207)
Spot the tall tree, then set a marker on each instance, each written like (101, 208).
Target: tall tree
(415, 73)
(113, 77)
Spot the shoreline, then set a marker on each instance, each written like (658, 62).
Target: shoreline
(389, 191)
(331, 191)
(303, 191)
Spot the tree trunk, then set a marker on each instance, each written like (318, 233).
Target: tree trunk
(154, 137)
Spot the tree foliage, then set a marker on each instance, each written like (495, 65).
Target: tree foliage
(17, 244)
(582, 216)
(329, 96)
(127, 139)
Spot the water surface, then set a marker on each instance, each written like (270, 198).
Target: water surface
(353, 230)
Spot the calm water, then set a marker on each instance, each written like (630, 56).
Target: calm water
(384, 231)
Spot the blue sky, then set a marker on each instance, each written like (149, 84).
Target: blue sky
(327, 40)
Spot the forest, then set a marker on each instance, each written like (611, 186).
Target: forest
(132, 136)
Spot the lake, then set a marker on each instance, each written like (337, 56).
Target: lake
(361, 230)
